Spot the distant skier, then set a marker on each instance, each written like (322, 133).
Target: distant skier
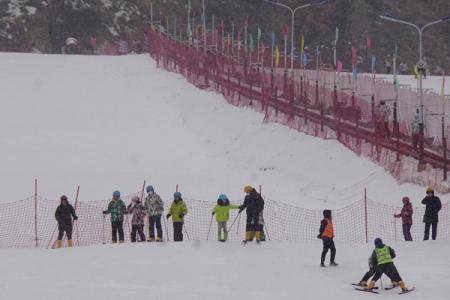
(406, 215)
(326, 233)
(155, 209)
(383, 258)
(64, 214)
(137, 210)
(254, 205)
(431, 218)
(177, 211)
(117, 209)
(222, 212)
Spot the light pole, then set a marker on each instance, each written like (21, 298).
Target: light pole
(420, 65)
(293, 11)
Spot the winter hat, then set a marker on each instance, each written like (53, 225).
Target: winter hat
(116, 194)
(223, 197)
(248, 189)
(136, 199)
(378, 242)
(177, 195)
(327, 213)
(405, 199)
(150, 189)
(430, 189)
(64, 198)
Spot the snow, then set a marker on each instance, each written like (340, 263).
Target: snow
(210, 270)
(108, 123)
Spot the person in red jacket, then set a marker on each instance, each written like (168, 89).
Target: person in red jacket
(406, 215)
(326, 233)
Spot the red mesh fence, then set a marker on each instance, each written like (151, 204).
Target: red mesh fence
(307, 101)
(282, 222)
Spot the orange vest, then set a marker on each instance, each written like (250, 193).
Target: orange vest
(329, 231)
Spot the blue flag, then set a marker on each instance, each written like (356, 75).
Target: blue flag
(273, 39)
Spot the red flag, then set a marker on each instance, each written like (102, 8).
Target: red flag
(369, 43)
(286, 30)
(354, 56)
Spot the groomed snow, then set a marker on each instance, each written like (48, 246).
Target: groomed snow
(108, 123)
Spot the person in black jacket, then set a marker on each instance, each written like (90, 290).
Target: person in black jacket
(432, 207)
(64, 214)
(254, 205)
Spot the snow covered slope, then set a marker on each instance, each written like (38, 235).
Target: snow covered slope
(210, 270)
(108, 123)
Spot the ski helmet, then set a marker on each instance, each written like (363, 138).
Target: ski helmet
(327, 213)
(223, 197)
(378, 242)
(248, 189)
(405, 199)
(150, 189)
(64, 198)
(116, 194)
(177, 195)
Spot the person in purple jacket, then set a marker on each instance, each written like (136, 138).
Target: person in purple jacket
(406, 215)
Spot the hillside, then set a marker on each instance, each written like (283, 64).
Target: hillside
(27, 25)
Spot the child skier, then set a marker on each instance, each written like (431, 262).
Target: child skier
(117, 210)
(222, 212)
(383, 259)
(155, 208)
(64, 214)
(326, 233)
(177, 211)
(137, 222)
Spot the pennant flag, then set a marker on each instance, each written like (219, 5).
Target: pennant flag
(228, 39)
(286, 31)
(355, 71)
(273, 39)
(443, 85)
(305, 60)
(374, 62)
(336, 38)
(259, 34)
(239, 40)
(277, 57)
(251, 46)
(340, 67)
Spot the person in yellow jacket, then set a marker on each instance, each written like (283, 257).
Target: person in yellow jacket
(222, 212)
(383, 260)
(177, 211)
(326, 233)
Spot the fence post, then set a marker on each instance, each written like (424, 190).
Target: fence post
(35, 214)
(366, 221)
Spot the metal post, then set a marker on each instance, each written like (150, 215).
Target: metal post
(204, 26)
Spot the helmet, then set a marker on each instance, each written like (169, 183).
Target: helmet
(378, 242)
(405, 199)
(116, 194)
(135, 199)
(430, 189)
(248, 189)
(223, 197)
(63, 198)
(177, 195)
(327, 213)
(150, 189)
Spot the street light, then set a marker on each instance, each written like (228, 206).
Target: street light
(419, 64)
(293, 11)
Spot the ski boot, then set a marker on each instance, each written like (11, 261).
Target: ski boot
(333, 264)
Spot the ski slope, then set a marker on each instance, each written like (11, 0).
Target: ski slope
(108, 123)
(211, 270)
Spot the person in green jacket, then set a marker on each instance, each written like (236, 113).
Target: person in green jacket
(222, 212)
(177, 211)
(117, 209)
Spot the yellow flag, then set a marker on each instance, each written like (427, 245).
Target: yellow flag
(277, 57)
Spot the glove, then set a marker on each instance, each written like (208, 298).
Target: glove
(168, 216)
(213, 213)
(240, 209)
(75, 218)
(181, 216)
(105, 212)
(319, 236)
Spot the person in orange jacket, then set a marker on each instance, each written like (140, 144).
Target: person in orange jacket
(326, 233)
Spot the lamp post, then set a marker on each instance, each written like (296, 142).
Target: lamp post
(293, 11)
(420, 65)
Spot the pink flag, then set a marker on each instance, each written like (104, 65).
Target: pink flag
(354, 56)
(369, 43)
(286, 30)
(93, 42)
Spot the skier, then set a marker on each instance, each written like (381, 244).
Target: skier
(137, 222)
(155, 208)
(383, 258)
(370, 273)
(222, 212)
(117, 209)
(326, 233)
(64, 214)
(406, 215)
(254, 205)
(432, 207)
(177, 211)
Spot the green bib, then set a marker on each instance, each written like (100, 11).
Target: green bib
(383, 255)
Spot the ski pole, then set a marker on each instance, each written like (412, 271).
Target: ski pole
(234, 221)
(239, 222)
(185, 231)
(209, 229)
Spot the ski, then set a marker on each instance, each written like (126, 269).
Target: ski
(366, 290)
(407, 291)
(391, 287)
(357, 284)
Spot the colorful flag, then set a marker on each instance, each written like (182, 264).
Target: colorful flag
(374, 62)
(305, 59)
(273, 39)
(340, 67)
(259, 34)
(302, 44)
(443, 85)
(286, 31)
(369, 43)
(250, 42)
(239, 40)
(277, 56)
